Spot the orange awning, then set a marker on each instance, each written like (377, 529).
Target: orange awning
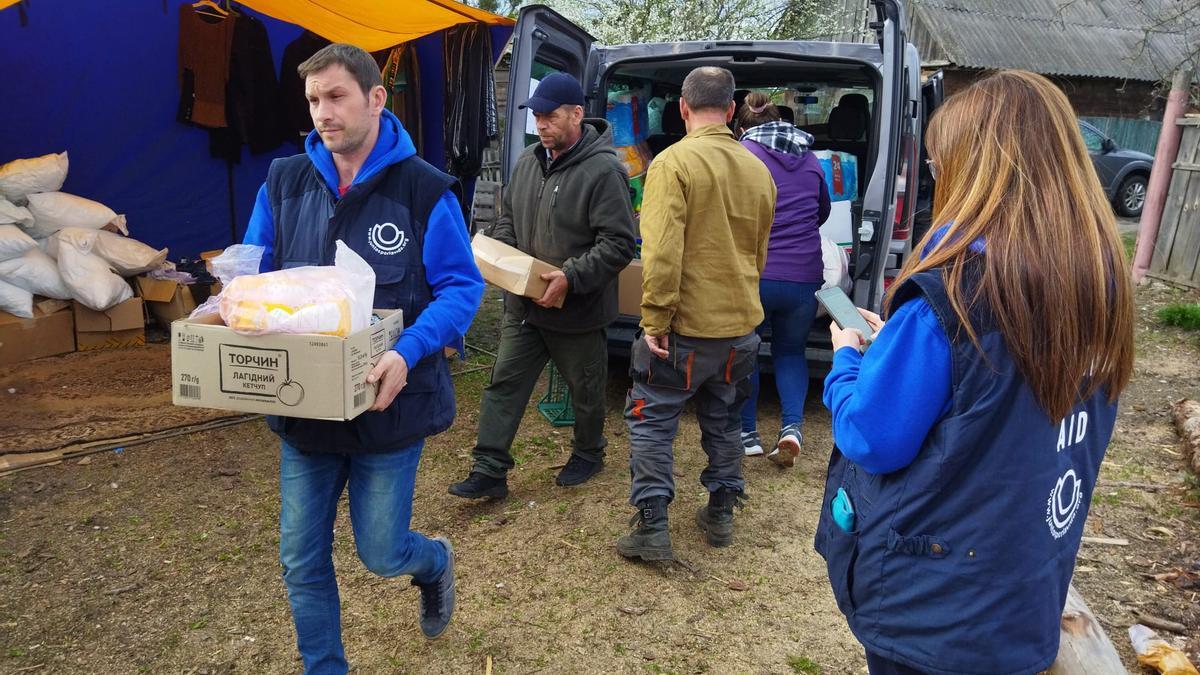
(371, 24)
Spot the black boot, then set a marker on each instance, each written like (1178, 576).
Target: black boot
(651, 540)
(480, 485)
(716, 519)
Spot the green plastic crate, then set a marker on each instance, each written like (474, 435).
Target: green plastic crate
(555, 406)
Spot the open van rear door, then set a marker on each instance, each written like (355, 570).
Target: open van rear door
(932, 93)
(872, 245)
(543, 42)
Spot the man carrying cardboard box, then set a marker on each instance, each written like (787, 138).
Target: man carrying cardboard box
(567, 204)
(706, 218)
(361, 181)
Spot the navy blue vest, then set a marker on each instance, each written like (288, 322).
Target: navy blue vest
(960, 562)
(384, 220)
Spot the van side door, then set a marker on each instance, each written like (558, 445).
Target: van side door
(873, 243)
(544, 42)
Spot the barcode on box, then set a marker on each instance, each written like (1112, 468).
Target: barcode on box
(191, 391)
(360, 398)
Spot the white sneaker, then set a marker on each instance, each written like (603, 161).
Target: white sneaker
(788, 447)
(751, 443)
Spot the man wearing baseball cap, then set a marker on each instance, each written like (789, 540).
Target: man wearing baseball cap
(568, 204)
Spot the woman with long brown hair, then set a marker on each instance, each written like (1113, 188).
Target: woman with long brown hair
(970, 435)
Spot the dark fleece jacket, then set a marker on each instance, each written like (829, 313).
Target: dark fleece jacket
(576, 215)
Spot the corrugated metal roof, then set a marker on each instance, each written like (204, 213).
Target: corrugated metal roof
(1090, 38)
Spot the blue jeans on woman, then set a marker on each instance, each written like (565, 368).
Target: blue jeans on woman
(789, 308)
(381, 492)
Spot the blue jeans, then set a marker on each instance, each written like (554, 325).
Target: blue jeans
(381, 492)
(789, 307)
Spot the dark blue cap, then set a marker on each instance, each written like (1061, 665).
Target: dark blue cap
(553, 91)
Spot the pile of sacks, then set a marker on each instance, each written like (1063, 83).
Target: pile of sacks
(62, 246)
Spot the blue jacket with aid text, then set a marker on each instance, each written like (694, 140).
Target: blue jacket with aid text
(960, 555)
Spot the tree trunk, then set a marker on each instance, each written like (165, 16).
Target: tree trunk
(1084, 648)
(1187, 423)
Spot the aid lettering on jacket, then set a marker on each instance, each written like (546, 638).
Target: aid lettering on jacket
(1072, 430)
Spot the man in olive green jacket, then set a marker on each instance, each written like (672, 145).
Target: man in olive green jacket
(568, 204)
(706, 217)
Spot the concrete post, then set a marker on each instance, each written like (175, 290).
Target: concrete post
(1160, 175)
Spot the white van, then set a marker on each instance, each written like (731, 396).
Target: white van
(865, 99)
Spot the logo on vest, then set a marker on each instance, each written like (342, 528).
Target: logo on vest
(1063, 504)
(387, 239)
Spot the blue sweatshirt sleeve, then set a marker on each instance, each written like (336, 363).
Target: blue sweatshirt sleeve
(457, 285)
(261, 230)
(885, 402)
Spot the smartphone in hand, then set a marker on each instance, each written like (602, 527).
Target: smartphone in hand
(842, 310)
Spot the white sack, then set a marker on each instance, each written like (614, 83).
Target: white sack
(37, 273)
(91, 282)
(23, 177)
(12, 214)
(53, 211)
(127, 256)
(16, 301)
(14, 243)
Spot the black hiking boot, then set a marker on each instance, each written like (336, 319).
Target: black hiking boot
(716, 519)
(650, 540)
(479, 485)
(577, 471)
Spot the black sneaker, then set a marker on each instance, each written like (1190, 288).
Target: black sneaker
(577, 471)
(437, 597)
(479, 485)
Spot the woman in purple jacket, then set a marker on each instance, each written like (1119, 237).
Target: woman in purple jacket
(793, 268)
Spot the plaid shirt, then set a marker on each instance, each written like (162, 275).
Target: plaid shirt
(781, 137)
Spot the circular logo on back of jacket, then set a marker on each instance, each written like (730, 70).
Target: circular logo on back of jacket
(1063, 504)
(387, 239)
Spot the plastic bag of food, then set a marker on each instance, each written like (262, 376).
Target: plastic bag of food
(333, 300)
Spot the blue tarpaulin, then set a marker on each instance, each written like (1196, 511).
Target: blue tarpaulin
(100, 81)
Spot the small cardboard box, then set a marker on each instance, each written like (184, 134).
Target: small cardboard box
(167, 300)
(119, 326)
(311, 376)
(51, 331)
(509, 268)
(207, 257)
(629, 289)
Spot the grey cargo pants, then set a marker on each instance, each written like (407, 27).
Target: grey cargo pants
(713, 372)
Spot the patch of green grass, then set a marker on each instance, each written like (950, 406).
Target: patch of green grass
(1129, 239)
(15, 652)
(803, 664)
(1108, 499)
(1183, 315)
(198, 624)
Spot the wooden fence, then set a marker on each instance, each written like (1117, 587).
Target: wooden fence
(1177, 251)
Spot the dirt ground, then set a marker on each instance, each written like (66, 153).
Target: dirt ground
(163, 558)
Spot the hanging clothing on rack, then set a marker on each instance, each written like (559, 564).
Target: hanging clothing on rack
(252, 101)
(205, 42)
(402, 79)
(296, 120)
(471, 120)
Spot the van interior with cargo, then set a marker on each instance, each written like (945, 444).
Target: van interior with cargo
(833, 101)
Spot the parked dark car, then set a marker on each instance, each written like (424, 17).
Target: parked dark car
(1123, 173)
